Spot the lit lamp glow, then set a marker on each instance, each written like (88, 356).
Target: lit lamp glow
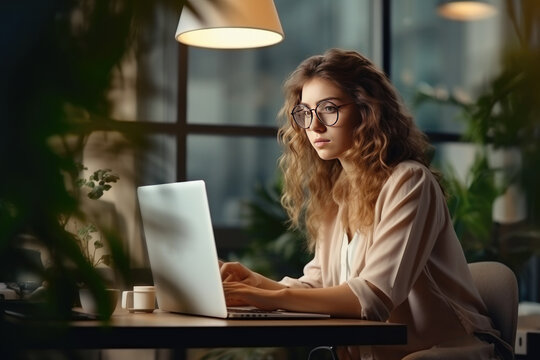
(466, 10)
(230, 24)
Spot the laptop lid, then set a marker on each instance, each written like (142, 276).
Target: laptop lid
(181, 248)
(183, 255)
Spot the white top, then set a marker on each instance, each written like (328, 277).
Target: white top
(413, 256)
(348, 249)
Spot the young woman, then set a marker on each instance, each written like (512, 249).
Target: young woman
(357, 178)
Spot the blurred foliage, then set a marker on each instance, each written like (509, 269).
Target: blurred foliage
(505, 115)
(274, 250)
(58, 68)
(57, 65)
(470, 204)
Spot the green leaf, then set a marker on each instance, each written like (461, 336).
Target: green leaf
(96, 193)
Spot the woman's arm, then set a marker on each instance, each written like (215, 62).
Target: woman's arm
(338, 301)
(245, 287)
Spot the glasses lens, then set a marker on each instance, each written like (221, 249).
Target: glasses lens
(301, 116)
(327, 112)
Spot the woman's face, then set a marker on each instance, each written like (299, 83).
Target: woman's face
(330, 142)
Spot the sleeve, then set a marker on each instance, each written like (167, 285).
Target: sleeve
(312, 277)
(408, 217)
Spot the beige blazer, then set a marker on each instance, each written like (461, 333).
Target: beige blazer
(413, 256)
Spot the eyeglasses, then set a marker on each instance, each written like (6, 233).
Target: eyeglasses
(327, 113)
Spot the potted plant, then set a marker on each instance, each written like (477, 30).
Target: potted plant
(98, 182)
(92, 245)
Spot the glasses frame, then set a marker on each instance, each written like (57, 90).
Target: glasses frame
(317, 114)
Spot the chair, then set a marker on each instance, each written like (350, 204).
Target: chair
(498, 288)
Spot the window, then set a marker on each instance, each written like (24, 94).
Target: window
(211, 114)
(445, 57)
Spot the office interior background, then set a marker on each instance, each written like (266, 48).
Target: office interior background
(211, 114)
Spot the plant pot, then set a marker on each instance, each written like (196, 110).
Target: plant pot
(89, 304)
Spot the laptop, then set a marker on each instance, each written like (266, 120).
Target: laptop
(183, 256)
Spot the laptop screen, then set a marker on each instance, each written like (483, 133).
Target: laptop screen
(181, 248)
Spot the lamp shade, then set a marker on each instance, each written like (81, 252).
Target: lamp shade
(466, 10)
(230, 24)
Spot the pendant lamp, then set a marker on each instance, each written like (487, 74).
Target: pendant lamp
(466, 10)
(229, 24)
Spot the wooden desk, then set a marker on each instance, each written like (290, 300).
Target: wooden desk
(174, 331)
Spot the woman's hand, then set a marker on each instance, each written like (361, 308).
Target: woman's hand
(240, 294)
(236, 272)
(244, 287)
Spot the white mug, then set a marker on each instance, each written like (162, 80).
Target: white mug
(141, 298)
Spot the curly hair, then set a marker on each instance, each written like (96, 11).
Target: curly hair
(384, 135)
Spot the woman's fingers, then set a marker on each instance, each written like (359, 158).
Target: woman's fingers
(234, 271)
(233, 295)
(241, 294)
(225, 270)
(232, 287)
(228, 272)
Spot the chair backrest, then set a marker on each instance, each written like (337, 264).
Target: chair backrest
(498, 288)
